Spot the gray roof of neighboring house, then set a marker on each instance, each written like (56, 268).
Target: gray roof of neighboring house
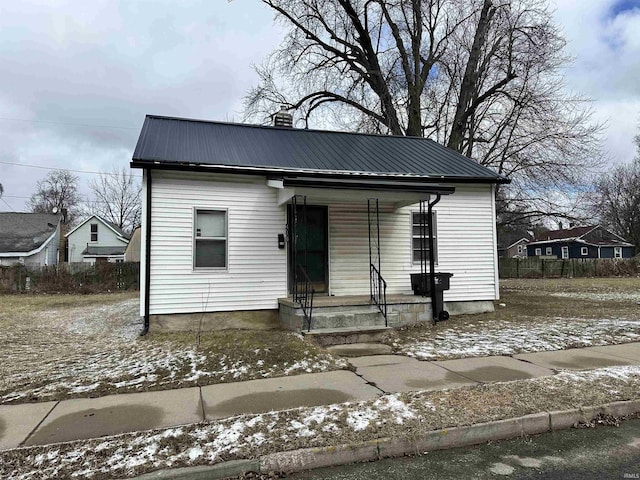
(115, 227)
(94, 250)
(24, 232)
(187, 144)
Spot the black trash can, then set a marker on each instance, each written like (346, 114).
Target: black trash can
(421, 285)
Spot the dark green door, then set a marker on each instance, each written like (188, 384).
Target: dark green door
(311, 246)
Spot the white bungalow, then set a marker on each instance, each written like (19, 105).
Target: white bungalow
(96, 240)
(242, 222)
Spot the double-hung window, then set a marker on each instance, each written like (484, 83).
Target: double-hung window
(94, 232)
(210, 239)
(420, 250)
(565, 252)
(617, 252)
(584, 250)
(549, 251)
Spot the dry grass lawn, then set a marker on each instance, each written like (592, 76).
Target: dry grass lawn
(55, 347)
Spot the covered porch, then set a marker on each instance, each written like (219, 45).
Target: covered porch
(352, 245)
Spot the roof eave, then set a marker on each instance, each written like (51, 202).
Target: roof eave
(199, 167)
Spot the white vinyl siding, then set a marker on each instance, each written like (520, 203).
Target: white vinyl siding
(256, 273)
(465, 246)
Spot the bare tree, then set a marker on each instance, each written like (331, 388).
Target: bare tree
(117, 198)
(58, 190)
(617, 203)
(480, 76)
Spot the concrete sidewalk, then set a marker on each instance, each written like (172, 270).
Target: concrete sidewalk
(52, 422)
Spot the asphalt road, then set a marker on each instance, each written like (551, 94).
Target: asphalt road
(604, 452)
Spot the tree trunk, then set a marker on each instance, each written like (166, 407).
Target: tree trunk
(469, 81)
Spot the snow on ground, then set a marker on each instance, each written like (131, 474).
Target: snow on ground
(503, 337)
(396, 415)
(600, 296)
(98, 350)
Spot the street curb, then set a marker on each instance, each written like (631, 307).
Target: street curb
(318, 457)
(232, 468)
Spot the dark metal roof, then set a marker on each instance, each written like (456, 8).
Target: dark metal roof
(167, 142)
(95, 250)
(23, 232)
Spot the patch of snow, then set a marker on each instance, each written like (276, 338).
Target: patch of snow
(493, 337)
(360, 419)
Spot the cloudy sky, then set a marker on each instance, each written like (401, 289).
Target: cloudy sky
(77, 77)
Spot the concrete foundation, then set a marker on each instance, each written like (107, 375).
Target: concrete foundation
(211, 321)
(328, 312)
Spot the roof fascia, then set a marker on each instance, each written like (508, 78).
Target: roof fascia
(266, 171)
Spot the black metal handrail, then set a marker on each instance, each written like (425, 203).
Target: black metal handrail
(378, 291)
(303, 293)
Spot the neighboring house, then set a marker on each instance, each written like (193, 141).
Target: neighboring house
(513, 244)
(31, 239)
(132, 253)
(96, 240)
(224, 224)
(591, 241)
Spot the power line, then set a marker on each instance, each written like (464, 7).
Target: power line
(64, 169)
(66, 123)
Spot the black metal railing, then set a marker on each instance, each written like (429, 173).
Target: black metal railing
(303, 293)
(378, 291)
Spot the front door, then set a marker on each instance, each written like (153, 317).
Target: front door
(311, 245)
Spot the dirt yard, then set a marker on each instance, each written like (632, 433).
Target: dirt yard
(62, 346)
(534, 315)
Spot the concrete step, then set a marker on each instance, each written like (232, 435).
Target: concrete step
(346, 318)
(341, 336)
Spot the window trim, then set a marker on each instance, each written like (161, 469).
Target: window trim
(616, 250)
(435, 237)
(92, 233)
(538, 252)
(520, 249)
(563, 250)
(194, 239)
(548, 251)
(584, 251)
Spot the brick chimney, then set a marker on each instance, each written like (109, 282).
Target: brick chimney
(62, 244)
(282, 118)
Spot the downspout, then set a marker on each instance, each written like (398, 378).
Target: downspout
(147, 255)
(435, 308)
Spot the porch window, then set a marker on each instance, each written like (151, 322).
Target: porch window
(94, 232)
(617, 252)
(422, 251)
(210, 239)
